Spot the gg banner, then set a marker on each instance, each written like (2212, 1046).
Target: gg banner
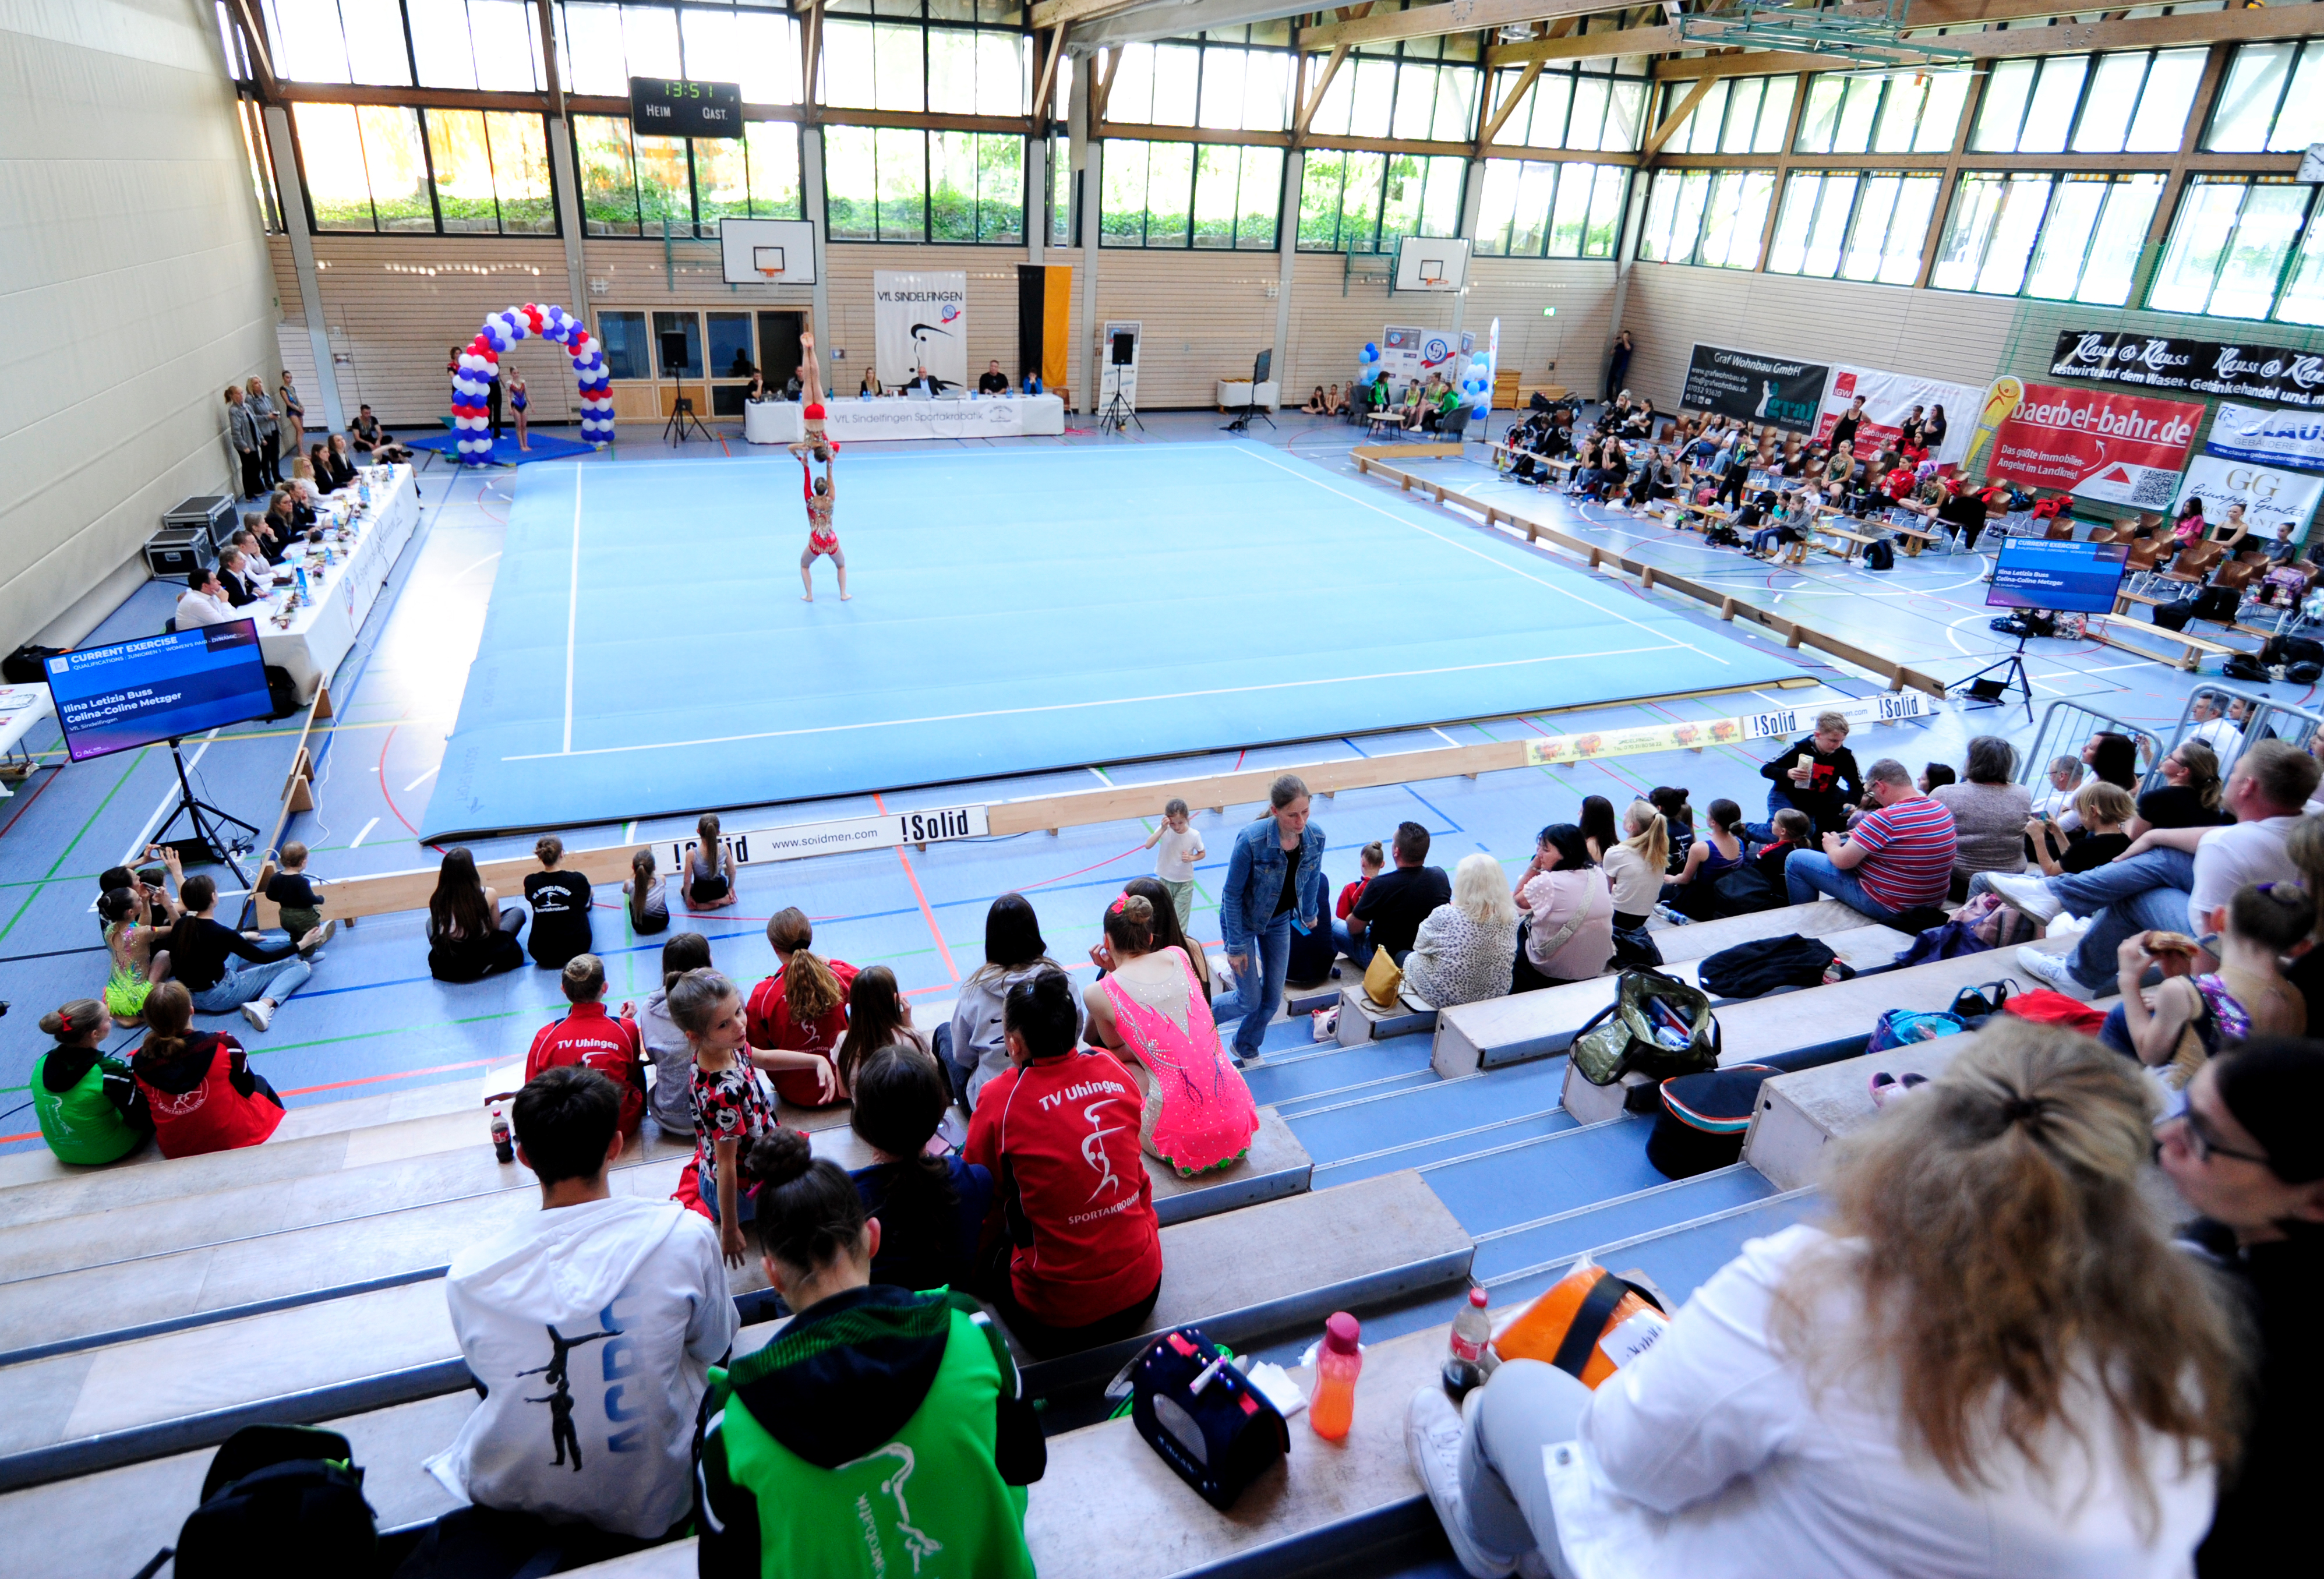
(919, 318)
(2270, 496)
(2099, 443)
(1783, 724)
(1755, 388)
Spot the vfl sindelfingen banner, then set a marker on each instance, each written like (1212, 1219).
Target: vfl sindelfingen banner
(2101, 444)
(2257, 372)
(919, 318)
(1755, 388)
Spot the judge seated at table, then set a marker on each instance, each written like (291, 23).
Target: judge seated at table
(240, 582)
(203, 603)
(924, 381)
(993, 381)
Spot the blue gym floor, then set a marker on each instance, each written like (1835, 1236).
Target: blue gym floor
(647, 652)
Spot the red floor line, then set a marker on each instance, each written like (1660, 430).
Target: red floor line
(398, 1075)
(35, 795)
(943, 950)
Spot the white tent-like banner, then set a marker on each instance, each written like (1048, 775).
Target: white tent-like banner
(919, 320)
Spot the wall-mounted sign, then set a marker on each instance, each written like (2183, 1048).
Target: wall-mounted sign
(672, 106)
(2275, 374)
(2099, 443)
(1755, 388)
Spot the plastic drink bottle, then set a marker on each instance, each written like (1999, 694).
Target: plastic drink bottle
(302, 583)
(1332, 1410)
(502, 1149)
(1473, 1329)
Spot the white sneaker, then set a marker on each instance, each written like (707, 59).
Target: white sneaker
(317, 938)
(2050, 969)
(1432, 1435)
(259, 1012)
(2064, 927)
(2029, 893)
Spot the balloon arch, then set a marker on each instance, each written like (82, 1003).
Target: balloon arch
(479, 365)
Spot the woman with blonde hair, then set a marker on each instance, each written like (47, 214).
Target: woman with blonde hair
(1463, 950)
(1989, 1360)
(1635, 867)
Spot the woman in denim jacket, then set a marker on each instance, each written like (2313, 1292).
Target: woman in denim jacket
(1274, 880)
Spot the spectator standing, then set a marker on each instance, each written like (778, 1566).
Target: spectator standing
(1084, 1262)
(588, 1036)
(1388, 913)
(560, 901)
(930, 1207)
(802, 1008)
(974, 1047)
(666, 1048)
(198, 1085)
(1177, 847)
(1896, 859)
(1897, 1394)
(2244, 1157)
(471, 934)
(732, 1105)
(293, 411)
(1618, 367)
(1274, 883)
(1816, 775)
(1462, 951)
(600, 1317)
(242, 432)
(89, 1107)
(202, 953)
(1989, 812)
(269, 429)
(807, 1443)
(1568, 935)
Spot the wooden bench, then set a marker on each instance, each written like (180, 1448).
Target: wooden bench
(1916, 539)
(1281, 1266)
(1540, 1024)
(1802, 1112)
(1857, 541)
(2193, 649)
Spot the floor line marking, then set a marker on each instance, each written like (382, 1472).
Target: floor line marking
(944, 949)
(1104, 702)
(423, 778)
(358, 843)
(572, 610)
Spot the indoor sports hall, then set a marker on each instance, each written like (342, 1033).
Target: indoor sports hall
(1158, 788)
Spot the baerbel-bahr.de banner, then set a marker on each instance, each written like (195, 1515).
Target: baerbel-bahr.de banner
(1753, 388)
(2102, 444)
(2275, 374)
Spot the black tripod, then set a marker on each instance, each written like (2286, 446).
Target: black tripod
(209, 823)
(1990, 687)
(1118, 414)
(1258, 371)
(682, 417)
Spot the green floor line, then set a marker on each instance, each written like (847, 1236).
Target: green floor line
(75, 843)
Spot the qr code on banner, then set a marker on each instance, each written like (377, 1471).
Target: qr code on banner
(2155, 489)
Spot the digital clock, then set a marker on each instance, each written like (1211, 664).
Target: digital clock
(669, 106)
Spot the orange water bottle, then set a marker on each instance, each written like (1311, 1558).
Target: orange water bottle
(1334, 1407)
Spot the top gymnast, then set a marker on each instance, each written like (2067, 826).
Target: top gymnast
(820, 491)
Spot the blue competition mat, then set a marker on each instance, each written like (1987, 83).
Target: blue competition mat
(647, 652)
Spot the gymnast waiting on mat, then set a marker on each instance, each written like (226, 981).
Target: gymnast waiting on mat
(820, 491)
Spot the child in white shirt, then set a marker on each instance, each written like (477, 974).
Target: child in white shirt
(1177, 847)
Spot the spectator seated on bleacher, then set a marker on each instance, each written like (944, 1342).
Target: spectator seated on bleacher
(974, 1048)
(1568, 931)
(1462, 951)
(560, 901)
(2245, 1155)
(1907, 1391)
(1388, 913)
(198, 1085)
(1792, 831)
(1058, 1131)
(1989, 811)
(89, 1107)
(591, 1327)
(802, 1008)
(589, 1036)
(2170, 874)
(930, 1207)
(2186, 1019)
(2100, 811)
(1817, 775)
(882, 1429)
(666, 1046)
(1896, 859)
(471, 934)
(1149, 1009)
(1694, 890)
(1635, 865)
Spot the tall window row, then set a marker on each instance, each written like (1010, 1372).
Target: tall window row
(1534, 208)
(388, 168)
(892, 183)
(1590, 111)
(1356, 202)
(679, 187)
(1190, 194)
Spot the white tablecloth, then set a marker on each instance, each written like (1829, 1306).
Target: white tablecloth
(321, 632)
(20, 708)
(983, 417)
(1235, 396)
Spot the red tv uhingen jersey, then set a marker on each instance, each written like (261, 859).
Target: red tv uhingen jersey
(589, 1036)
(1060, 1137)
(767, 1017)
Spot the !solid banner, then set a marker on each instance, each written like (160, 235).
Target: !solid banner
(2271, 496)
(2268, 438)
(2257, 372)
(2099, 443)
(1889, 398)
(919, 318)
(1755, 388)
(1783, 724)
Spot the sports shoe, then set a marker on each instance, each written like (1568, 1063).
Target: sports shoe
(2063, 926)
(2051, 970)
(317, 938)
(1883, 1086)
(259, 1012)
(1431, 1437)
(2028, 893)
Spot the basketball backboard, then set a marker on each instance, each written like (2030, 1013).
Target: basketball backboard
(767, 252)
(1432, 262)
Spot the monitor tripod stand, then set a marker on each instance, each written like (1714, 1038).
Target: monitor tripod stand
(209, 823)
(1991, 685)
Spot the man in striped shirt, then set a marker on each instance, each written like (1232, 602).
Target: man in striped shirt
(1896, 859)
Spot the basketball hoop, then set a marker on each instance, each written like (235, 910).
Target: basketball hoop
(769, 262)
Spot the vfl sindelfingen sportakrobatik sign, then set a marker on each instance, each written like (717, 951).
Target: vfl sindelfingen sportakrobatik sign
(1755, 388)
(2275, 374)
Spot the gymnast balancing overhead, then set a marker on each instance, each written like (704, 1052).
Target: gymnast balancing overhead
(820, 491)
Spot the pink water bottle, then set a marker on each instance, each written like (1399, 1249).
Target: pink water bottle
(1332, 1410)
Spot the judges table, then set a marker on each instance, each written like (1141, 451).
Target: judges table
(895, 417)
(363, 537)
(21, 707)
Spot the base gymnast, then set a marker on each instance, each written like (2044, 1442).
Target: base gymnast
(820, 491)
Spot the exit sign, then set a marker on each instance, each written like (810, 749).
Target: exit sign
(1549, 312)
(669, 106)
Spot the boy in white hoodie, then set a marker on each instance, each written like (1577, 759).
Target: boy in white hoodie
(592, 1327)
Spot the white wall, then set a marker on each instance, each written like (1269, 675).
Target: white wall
(134, 285)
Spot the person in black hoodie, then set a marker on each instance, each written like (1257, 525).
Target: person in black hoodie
(560, 908)
(2246, 1154)
(879, 1428)
(202, 953)
(1824, 786)
(930, 1210)
(203, 1093)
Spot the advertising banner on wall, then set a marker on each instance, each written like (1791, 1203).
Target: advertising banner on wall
(1755, 388)
(2100, 443)
(1408, 354)
(919, 318)
(1889, 398)
(2281, 438)
(2270, 496)
(2275, 374)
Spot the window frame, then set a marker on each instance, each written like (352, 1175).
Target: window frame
(2287, 267)
(927, 236)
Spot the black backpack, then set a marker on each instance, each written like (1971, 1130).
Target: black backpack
(1750, 969)
(2303, 674)
(2173, 616)
(2217, 605)
(280, 1499)
(1879, 555)
(2244, 666)
(1743, 891)
(2291, 649)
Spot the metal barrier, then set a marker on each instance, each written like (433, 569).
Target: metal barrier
(2065, 727)
(2265, 717)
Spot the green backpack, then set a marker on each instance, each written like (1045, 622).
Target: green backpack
(1633, 1034)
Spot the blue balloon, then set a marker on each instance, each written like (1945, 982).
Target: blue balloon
(1371, 352)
